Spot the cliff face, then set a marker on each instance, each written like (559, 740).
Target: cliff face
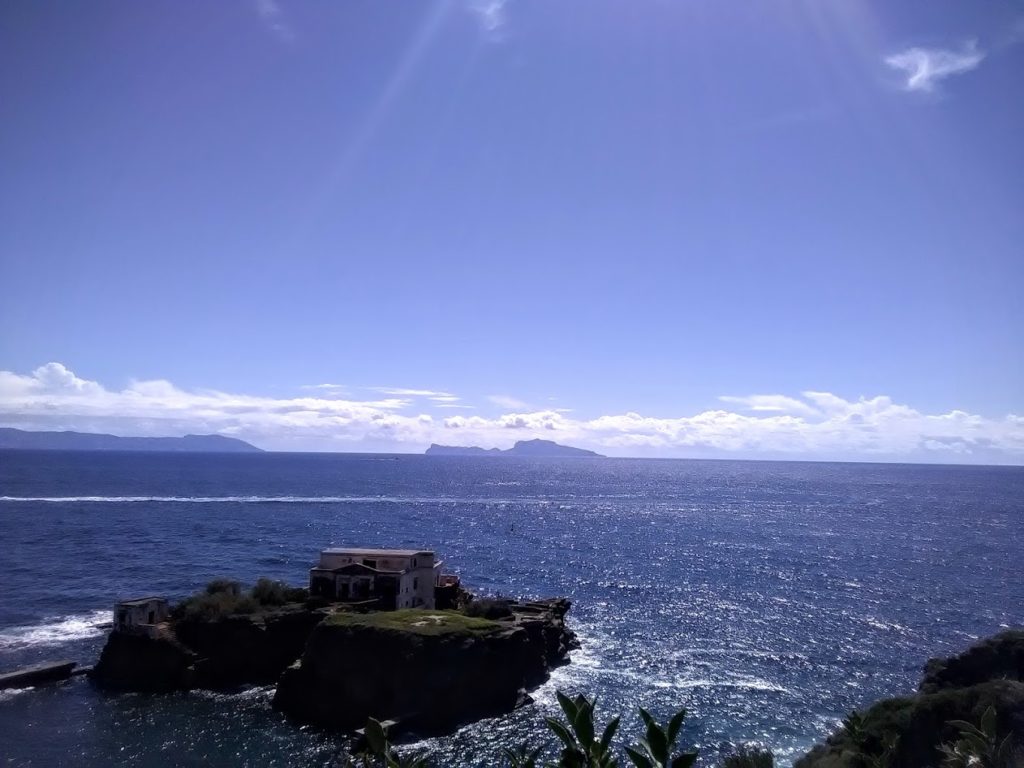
(131, 663)
(239, 650)
(990, 673)
(221, 653)
(431, 670)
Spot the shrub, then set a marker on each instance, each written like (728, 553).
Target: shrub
(220, 598)
(224, 586)
(488, 608)
(269, 592)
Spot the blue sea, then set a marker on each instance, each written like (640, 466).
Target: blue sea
(769, 599)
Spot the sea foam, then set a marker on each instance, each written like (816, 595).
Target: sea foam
(55, 630)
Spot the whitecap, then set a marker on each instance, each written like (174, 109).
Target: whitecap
(55, 630)
(9, 693)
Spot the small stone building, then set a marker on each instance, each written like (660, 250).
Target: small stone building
(388, 578)
(140, 616)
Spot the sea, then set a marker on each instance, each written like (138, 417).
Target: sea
(768, 599)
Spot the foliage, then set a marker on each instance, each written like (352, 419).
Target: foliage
(582, 748)
(885, 758)
(270, 592)
(853, 724)
(523, 757)
(225, 597)
(224, 587)
(978, 745)
(655, 749)
(749, 757)
(378, 751)
(488, 608)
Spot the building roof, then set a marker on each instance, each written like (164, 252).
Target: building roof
(141, 600)
(376, 552)
(354, 568)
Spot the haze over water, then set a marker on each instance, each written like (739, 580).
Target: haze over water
(768, 598)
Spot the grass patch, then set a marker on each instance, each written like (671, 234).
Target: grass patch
(419, 621)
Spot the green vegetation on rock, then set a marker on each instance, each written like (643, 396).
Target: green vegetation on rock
(225, 597)
(969, 711)
(418, 621)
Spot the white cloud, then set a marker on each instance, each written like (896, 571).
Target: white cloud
(817, 425)
(445, 398)
(771, 404)
(272, 16)
(490, 14)
(507, 401)
(413, 392)
(924, 68)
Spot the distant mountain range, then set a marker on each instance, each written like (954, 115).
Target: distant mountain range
(530, 448)
(19, 439)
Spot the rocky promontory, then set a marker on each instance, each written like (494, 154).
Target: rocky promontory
(908, 731)
(335, 665)
(535, 449)
(430, 670)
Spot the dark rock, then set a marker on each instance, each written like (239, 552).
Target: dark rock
(432, 674)
(958, 688)
(137, 663)
(1000, 656)
(218, 653)
(239, 650)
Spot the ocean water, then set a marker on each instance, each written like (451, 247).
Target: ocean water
(767, 598)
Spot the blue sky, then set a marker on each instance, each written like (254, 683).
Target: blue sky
(549, 214)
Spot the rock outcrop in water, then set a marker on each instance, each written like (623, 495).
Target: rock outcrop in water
(538, 448)
(989, 674)
(430, 670)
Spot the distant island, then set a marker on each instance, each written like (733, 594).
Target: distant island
(527, 448)
(20, 439)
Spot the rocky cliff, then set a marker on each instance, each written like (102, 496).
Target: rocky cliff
(430, 670)
(989, 674)
(218, 653)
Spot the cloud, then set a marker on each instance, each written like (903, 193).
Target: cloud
(925, 68)
(814, 425)
(771, 404)
(413, 392)
(506, 401)
(272, 16)
(327, 390)
(491, 16)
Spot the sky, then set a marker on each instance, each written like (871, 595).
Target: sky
(665, 228)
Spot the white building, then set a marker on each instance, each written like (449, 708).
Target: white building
(141, 616)
(393, 578)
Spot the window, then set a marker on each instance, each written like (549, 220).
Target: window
(416, 583)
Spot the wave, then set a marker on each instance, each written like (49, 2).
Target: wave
(267, 500)
(9, 693)
(55, 630)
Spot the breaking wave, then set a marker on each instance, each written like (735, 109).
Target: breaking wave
(264, 499)
(55, 630)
